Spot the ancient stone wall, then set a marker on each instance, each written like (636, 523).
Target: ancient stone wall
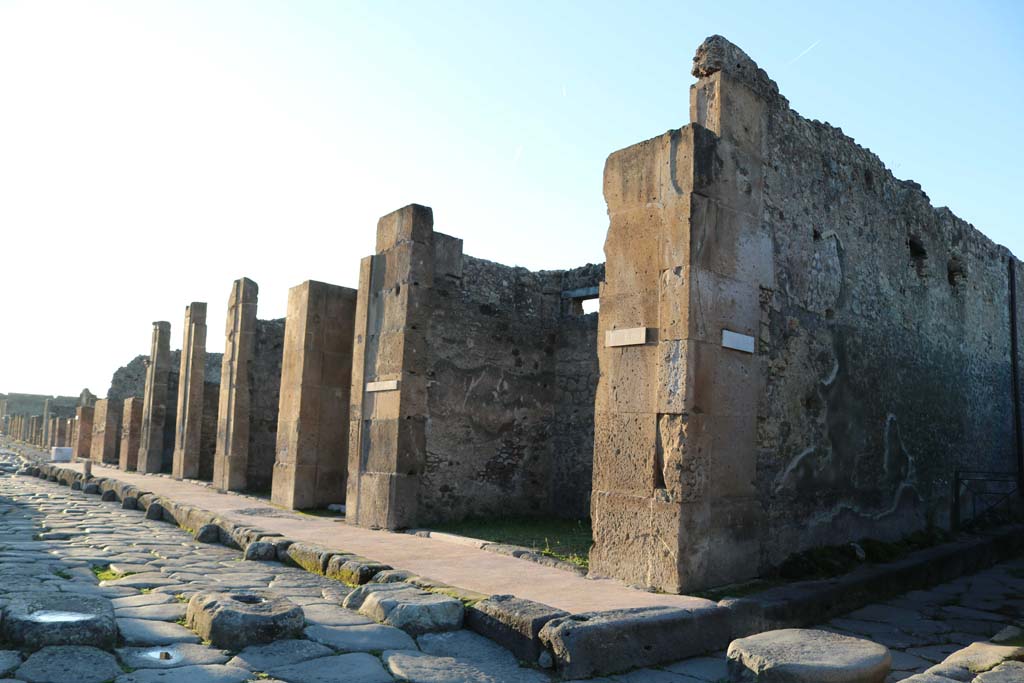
(130, 380)
(456, 376)
(796, 349)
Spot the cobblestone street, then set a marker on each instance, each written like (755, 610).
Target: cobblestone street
(62, 541)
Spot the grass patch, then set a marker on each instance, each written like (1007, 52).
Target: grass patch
(104, 573)
(563, 539)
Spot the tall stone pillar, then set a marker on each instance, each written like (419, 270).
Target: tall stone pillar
(131, 434)
(62, 432)
(82, 445)
(51, 438)
(47, 404)
(156, 441)
(316, 378)
(105, 422)
(189, 427)
(231, 460)
(387, 433)
(674, 504)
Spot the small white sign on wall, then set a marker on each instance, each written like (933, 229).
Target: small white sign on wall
(737, 341)
(386, 385)
(628, 337)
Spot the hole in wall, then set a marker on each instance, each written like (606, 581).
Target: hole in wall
(918, 254)
(869, 179)
(816, 234)
(591, 306)
(955, 271)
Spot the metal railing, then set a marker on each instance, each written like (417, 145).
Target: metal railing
(985, 492)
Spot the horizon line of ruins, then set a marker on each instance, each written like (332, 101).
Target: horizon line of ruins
(793, 349)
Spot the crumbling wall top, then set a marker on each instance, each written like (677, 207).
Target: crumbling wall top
(718, 54)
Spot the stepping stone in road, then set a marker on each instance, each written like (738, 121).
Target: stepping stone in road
(806, 656)
(235, 620)
(35, 620)
(406, 607)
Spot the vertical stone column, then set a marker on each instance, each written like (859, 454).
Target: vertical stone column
(188, 430)
(153, 446)
(231, 460)
(131, 433)
(83, 432)
(51, 438)
(674, 504)
(387, 433)
(105, 422)
(316, 378)
(47, 404)
(62, 432)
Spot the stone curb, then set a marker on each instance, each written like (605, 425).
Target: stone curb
(517, 551)
(597, 643)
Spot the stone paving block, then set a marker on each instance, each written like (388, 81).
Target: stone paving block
(410, 609)
(170, 656)
(145, 632)
(483, 654)
(171, 611)
(201, 673)
(701, 668)
(9, 661)
(322, 614)
(278, 654)
(806, 656)
(53, 664)
(420, 667)
(351, 668)
(1007, 672)
(364, 638)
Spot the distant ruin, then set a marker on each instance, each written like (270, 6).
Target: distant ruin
(793, 349)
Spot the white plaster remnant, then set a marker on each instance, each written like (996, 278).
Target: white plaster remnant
(632, 336)
(385, 385)
(737, 341)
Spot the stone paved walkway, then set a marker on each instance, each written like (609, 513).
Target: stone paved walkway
(452, 563)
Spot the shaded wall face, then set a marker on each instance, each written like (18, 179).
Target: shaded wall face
(265, 387)
(512, 375)
(887, 344)
(208, 440)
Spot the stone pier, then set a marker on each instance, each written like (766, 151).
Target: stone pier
(82, 443)
(316, 376)
(156, 439)
(188, 431)
(249, 394)
(131, 432)
(106, 421)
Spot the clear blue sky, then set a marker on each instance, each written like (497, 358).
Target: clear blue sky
(151, 152)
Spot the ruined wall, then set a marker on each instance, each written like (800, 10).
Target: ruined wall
(510, 398)
(796, 348)
(33, 404)
(130, 380)
(885, 345)
(458, 369)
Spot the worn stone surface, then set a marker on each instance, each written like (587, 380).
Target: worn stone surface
(807, 656)
(56, 664)
(200, 673)
(170, 656)
(356, 667)
(316, 379)
(278, 654)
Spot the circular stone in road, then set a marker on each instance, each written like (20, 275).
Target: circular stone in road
(39, 619)
(806, 656)
(234, 621)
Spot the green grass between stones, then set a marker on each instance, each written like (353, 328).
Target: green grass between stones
(562, 539)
